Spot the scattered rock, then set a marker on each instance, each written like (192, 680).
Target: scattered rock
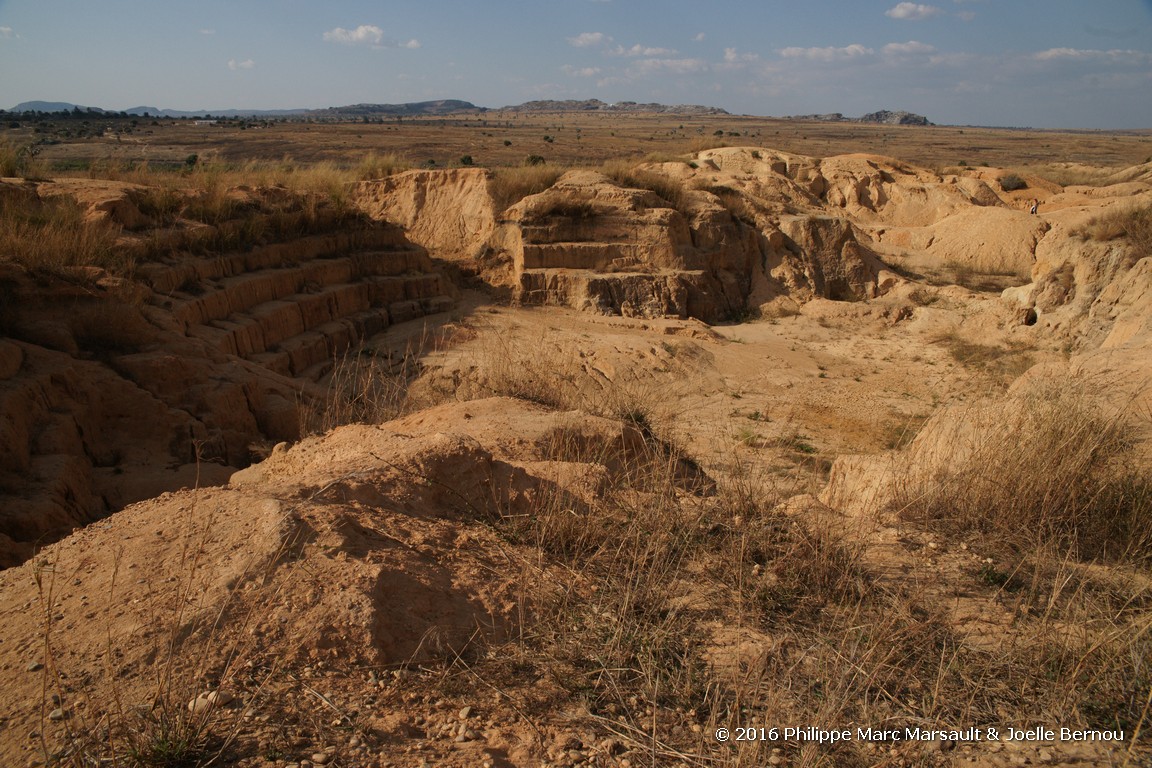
(205, 702)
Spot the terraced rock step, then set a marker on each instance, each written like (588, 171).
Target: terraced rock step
(652, 293)
(114, 390)
(292, 306)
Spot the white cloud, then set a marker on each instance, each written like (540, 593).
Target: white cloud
(735, 61)
(246, 64)
(207, 31)
(830, 54)
(366, 34)
(580, 71)
(641, 50)
(645, 67)
(912, 11)
(731, 56)
(699, 36)
(908, 48)
(589, 39)
(6, 33)
(1089, 55)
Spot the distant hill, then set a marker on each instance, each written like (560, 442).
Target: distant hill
(51, 106)
(595, 105)
(65, 106)
(883, 117)
(177, 113)
(894, 118)
(417, 108)
(441, 107)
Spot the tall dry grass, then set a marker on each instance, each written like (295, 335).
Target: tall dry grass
(1131, 223)
(18, 161)
(53, 234)
(508, 186)
(1058, 470)
(361, 389)
(626, 174)
(691, 604)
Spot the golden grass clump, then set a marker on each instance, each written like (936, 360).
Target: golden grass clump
(19, 161)
(53, 234)
(377, 166)
(508, 186)
(1133, 224)
(668, 189)
(1054, 471)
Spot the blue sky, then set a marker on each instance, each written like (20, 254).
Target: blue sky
(1040, 63)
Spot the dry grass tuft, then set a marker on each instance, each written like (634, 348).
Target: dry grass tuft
(508, 186)
(51, 235)
(191, 649)
(376, 166)
(1003, 363)
(1071, 175)
(1133, 224)
(19, 161)
(1054, 473)
(361, 389)
(661, 558)
(627, 175)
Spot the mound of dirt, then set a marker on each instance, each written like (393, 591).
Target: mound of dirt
(371, 546)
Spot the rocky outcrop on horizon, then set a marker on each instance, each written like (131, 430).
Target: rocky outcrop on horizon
(882, 117)
(595, 105)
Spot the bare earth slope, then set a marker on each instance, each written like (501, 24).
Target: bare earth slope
(615, 528)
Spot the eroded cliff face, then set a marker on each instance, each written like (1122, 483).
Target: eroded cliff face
(115, 389)
(1091, 291)
(449, 213)
(378, 546)
(737, 221)
(728, 231)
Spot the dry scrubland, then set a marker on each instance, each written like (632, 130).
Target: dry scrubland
(445, 467)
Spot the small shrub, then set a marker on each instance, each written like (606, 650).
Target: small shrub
(1011, 182)
(565, 208)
